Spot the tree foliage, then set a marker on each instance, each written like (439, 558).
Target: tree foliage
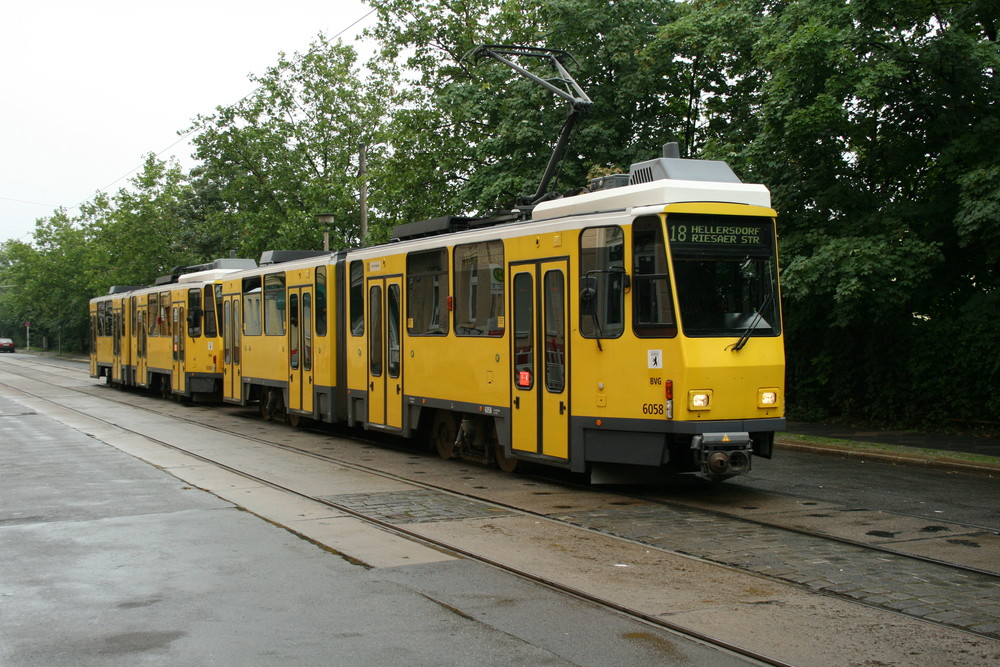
(288, 151)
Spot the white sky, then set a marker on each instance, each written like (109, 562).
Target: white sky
(89, 88)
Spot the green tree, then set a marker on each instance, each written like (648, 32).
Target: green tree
(287, 152)
(49, 283)
(145, 229)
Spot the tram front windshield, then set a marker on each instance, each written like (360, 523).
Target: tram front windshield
(726, 275)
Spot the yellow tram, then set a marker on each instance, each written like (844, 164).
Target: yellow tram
(628, 332)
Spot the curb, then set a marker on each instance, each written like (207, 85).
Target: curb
(933, 459)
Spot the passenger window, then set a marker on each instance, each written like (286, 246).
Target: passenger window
(251, 307)
(652, 304)
(274, 304)
(154, 313)
(479, 289)
(357, 298)
(602, 282)
(209, 310)
(320, 300)
(194, 314)
(427, 293)
(164, 317)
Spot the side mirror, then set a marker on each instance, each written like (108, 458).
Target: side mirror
(588, 295)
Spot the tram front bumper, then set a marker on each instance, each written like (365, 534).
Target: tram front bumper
(721, 455)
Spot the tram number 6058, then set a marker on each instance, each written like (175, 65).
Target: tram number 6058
(652, 408)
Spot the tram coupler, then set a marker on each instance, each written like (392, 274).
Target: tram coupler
(721, 455)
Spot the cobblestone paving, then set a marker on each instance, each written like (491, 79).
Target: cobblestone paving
(933, 592)
(415, 506)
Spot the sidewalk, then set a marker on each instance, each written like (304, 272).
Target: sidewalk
(911, 446)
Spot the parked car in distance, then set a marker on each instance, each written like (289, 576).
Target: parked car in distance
(6, 345)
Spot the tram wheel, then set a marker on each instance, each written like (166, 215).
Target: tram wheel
(293, 421)
(263, 405)
(443, 433)
(277, 406)
(504, 462)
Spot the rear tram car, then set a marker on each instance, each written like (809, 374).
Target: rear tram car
(628, 332)
(164, 337)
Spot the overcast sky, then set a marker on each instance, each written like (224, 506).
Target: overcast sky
(89, 88)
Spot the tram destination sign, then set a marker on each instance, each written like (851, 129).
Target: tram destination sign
(741, 234)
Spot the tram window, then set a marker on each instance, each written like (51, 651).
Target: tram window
(154, 310)
(652, 303)
(357, 298)
(164, 317)
(306, 332)
(524, 336)
(274, 304)
(293, 332)
(392, 332)
(320, 300)
(211, 330)
(555, 332)
(427, 293)
(251, 307)
(479, 293)
(375, 330)
(602, 282)
(227, 334)
(726, 276)
(194, 314)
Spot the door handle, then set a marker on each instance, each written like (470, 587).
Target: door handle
(371, 386)
(517, 402)
(399, 388)
(562, 407)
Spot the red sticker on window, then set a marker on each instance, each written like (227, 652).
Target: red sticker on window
(524, 379)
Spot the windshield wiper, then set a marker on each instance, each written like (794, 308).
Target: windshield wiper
(753, 323)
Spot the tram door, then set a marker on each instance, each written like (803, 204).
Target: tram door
(300, 349)
(385, 358)
(141, 331)
(117, 329)
(232, 382)
(540, 387)
(178, 328)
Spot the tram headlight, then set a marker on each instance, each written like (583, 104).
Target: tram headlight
(700, 399)
(767, 398)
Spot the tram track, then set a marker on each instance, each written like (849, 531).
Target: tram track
(521, 508)
(422, 538)
(652, 497)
